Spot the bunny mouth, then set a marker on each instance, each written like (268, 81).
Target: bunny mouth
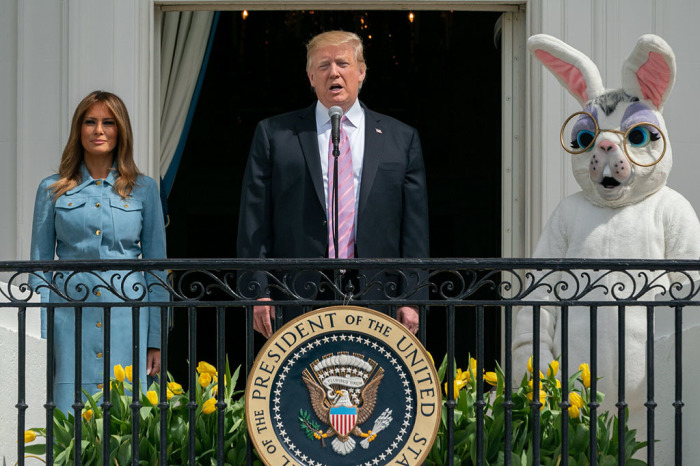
(609, 182)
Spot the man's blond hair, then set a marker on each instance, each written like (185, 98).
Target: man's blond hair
(335, 38)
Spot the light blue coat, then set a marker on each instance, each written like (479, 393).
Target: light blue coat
(92, 222)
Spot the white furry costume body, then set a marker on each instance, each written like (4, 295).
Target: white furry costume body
(624, 210)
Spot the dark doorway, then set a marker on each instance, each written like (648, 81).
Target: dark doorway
(439, 73)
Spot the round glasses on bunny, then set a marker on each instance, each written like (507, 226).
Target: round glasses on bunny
(644, 143)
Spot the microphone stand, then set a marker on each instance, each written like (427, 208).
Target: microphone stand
(336, 154)
(337, 274)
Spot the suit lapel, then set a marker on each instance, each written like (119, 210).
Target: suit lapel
(374, 147)
(308, 139)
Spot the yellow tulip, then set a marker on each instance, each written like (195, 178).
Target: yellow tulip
(575, 400)
(119, 373)
(175, 387)
(463, 376)
(458, 385)
(87, 415)
(553, 368)
(529, 383)
(431, 357)
(529, 365)
(206, 368)
(585, 374)
(472, 364)
(209, 406)
(558, 383)
(491, 378)
(214, 390)
(574, 412)
(204, 379)
(29, 436)
(543, 398)
(129, 370)
(169, 394)
(152, 397)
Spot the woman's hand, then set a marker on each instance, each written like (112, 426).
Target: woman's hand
(153, 361)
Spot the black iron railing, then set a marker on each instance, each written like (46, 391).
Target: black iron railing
(448, 286)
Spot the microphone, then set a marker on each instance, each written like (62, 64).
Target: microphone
(335, 113)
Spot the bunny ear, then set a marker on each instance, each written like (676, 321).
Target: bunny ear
(650, 70)
(574, 70)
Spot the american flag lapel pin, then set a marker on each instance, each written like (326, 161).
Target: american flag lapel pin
(379, 131)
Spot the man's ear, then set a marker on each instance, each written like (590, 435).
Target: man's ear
(311, 78)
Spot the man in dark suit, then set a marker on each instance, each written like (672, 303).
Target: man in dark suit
(287, 208)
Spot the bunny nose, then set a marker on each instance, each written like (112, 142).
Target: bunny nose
(606, 145)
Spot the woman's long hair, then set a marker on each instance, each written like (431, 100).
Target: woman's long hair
(69, 172)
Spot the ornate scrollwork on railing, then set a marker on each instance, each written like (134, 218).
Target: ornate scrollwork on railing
(381, 280)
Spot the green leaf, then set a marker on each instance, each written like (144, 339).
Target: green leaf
(442, 370)
(36, 449)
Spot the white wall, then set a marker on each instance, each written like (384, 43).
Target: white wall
(606, 31)
(35, 367)
(8, 129)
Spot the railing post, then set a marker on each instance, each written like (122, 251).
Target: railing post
(593, 402)
(221, 385)
(678, 403)
(22, 373)
(479, 403)
(163, 399)
(106, 385)
(136, 388)
(78, 405)
(249, 358)
(50, 404)
(535, 403)
(650, 404)
(565, 404)
(451, 403)
(508, 403)
(621, 404)
(192, 404)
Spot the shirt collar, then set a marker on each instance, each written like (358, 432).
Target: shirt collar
(353, 115)
(88, 180)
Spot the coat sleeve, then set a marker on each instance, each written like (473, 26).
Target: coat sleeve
(255, 214)
(414, 220)
(415, 241)
(43, 245)
(153, 246)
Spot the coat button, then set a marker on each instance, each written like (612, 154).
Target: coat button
(98, 325)
(98, 204)
(99, 355)
(98, 182)
(99, 386)
(70, 204)
(98, 232)
(126, 205)
(98, 293)
(325, 223)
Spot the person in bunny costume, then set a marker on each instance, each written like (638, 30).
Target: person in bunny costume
(621, 158)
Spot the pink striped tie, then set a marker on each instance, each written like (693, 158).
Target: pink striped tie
(346, 199)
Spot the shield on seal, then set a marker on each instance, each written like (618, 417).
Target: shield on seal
(343, 419)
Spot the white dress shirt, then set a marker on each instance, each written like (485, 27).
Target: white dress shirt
(354, 127)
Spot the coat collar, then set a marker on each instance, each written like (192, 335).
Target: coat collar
(308, 139)
(87, 180)
(374, 148)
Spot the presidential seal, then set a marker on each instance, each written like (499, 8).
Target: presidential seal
(343, 385)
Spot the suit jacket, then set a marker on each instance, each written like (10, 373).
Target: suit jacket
(283, 210)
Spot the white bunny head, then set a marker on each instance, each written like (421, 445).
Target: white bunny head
(619, 142)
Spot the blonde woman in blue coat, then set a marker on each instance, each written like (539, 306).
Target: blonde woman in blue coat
(99, 206)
